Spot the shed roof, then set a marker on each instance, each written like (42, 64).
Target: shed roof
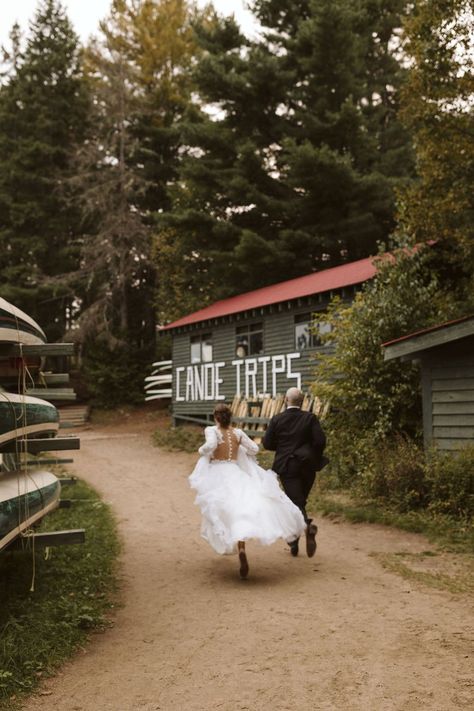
(315, 283)
(413, 343)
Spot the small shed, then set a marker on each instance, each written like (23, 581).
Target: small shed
(258, 343)
(446, 355)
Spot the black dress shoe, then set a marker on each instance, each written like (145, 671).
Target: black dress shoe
(311, 531)
(294, 547)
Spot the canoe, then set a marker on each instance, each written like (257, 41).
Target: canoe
(25, 416)
(18, 327)
(24, 500)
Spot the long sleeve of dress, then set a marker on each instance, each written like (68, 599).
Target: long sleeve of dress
(248, 444)
(210, 444)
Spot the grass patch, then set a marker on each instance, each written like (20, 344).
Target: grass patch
(447, 532)
(74, 589)
(185, 438)
(421, 568)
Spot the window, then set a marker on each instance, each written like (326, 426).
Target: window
(249, 340)
(201, 348)
(308, 329)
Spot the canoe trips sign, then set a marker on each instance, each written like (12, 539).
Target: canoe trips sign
(252, 376)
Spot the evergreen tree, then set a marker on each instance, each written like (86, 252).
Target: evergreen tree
(296, 168)
(43, 112)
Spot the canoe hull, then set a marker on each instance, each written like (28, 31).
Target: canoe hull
(25, 416)
(18, 327)
(24, 500)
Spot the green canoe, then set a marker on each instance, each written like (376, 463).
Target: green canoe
(24, 499)
(25, 416)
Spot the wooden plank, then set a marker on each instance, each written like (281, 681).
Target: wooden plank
(427, 406)
(48, 462)
(450, 445)
(448, 371)
(41, 349)
(453, 420)
(34, 446)
(59, 538)
(454, 396)
(455, 408)
(52, 393)
(454, 432)
(55, 378)
(191, 418)
(453, 384)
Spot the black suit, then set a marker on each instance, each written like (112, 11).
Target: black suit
(298, 441)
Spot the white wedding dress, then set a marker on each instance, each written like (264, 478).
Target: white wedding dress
(238, 499)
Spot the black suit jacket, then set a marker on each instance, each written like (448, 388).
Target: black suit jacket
(295, 433)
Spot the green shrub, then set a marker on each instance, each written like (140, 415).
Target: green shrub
(396, 473)
(450, 479)
(185, 438)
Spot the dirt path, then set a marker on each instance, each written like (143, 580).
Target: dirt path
(334, 632)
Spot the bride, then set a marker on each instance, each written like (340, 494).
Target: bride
(238, 499)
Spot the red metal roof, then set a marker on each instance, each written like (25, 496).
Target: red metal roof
(428, 330)
(315, 283)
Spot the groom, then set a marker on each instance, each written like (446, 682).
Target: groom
(298, 441)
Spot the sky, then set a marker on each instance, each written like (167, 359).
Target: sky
(85, 14)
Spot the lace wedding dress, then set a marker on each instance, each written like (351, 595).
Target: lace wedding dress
(238, 499)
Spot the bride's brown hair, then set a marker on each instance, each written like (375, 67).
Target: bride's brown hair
(223, 415)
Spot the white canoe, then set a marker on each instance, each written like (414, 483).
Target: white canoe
(18, 327)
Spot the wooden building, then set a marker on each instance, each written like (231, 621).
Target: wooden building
(255, 344)
(446, 355)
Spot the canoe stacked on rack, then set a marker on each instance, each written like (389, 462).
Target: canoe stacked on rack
(158, 383)
(24, 500)
(28, 424)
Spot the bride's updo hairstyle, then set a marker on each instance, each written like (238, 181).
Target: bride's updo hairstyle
(223, 415)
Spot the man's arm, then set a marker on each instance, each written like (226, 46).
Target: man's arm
(318, 438)
(269, 438)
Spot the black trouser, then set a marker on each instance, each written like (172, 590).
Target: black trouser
(297, 482)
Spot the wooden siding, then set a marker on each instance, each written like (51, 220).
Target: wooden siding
(278, 339)
(448, 395)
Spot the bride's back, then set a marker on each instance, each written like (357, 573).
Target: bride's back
(227, 448)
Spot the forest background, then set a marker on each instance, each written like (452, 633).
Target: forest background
(173, 161)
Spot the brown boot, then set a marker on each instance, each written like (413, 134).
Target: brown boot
(311, 545)
(244, 565)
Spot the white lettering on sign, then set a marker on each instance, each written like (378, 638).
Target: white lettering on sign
(251, 366)
(218, 381)
(252, 375)
(237, 364)
(278, 366)
(178, 396)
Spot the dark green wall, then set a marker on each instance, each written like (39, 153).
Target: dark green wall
(279, 339)
(448, 394)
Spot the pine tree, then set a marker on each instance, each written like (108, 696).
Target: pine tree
(43, 113)
(296, 169)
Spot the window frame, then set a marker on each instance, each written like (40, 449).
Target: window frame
(311, 319)
(201, 339)
(249, 330)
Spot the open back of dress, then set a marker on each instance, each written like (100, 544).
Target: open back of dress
(226, 449)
